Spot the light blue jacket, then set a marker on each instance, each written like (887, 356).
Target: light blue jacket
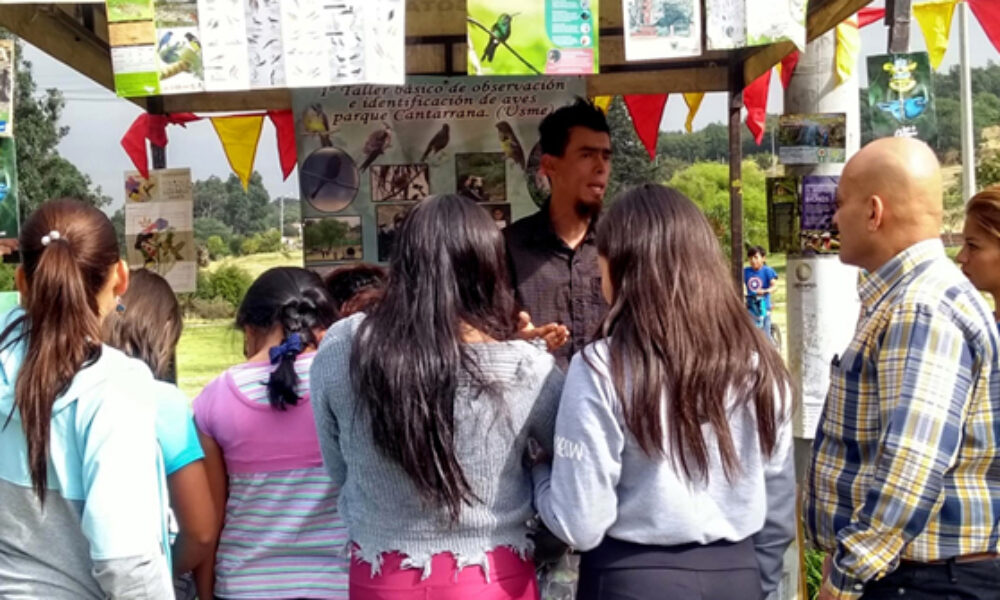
(102, 530)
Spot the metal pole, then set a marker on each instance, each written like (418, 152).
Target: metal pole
(736, 84)
(968, 135)
(154, 106)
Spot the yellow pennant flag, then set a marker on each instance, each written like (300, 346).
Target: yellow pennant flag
(602, 102)
(693, 102)
(935, 21)
(848, 48)
(239, 136)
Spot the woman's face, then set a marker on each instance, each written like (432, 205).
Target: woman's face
(980, 257)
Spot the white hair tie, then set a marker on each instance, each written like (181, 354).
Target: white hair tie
(47, 239)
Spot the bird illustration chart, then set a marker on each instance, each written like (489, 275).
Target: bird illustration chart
(532, 37)
(159, 225)
(374, 152)
(900, 96)
(663, 29)
(184, 46)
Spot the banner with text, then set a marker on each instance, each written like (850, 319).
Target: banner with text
(369, 153)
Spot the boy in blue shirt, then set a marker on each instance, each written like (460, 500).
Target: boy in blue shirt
(760, 281)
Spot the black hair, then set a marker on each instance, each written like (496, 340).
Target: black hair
(447, 271)
(297, 299)
(554, 129)
(753, 251)
(345, 283)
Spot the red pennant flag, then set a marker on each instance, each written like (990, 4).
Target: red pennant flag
(988, 13)
(867, 16)
(788, 65)
(646, 111)
(152, 128)
(755, 99)
(284, 125)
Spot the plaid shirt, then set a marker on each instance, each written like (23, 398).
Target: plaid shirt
(906, 460)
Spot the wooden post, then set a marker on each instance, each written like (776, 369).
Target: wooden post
(154, 106)
(897, 17)
(736, 85)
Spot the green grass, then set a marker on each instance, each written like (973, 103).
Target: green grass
(206, 349)
(255, 264)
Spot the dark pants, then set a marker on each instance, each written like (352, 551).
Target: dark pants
(618, 570)
(950, 581)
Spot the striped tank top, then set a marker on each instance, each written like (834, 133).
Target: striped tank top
(282, 536)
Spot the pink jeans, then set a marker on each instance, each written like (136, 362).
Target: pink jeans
(511, 578)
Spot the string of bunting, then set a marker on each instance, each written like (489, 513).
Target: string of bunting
(935, 16)
(238, 134)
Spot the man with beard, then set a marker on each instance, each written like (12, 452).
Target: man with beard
(553, 254)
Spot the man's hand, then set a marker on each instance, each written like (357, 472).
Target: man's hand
(7, 246)
(554, 334)
(534, 454)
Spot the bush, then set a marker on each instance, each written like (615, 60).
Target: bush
(269, 241)
(210, 309)
(236, 244)
(217, 247)
(228, 282)
(250, 245)
(7, 277)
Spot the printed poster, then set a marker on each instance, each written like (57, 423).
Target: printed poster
(7, 77)
(663, 29)
(812, 139)
(783, 214)
(368, 154)
(819, 203)
(10, 224)
(159, 226)
(533, 37)
(183, 46)
(725, 24)
(773, 21)
(900, 96)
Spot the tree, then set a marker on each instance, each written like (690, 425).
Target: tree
(324, 235)
(707, 185)
(210, 198)
(206, 227)
(248, 211)
(630, 164)
(42, 173)
(216, 247)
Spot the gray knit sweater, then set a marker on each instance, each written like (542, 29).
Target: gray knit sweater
(378, 501)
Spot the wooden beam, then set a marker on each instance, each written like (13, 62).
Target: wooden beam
(56, 33)
(897, 16)
(736, 170)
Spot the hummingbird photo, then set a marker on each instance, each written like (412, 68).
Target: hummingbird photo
(501, 32)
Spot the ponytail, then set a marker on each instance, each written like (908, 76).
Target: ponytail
(296, 300)
(64, 272)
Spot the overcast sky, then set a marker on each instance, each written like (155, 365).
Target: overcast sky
(97, 118)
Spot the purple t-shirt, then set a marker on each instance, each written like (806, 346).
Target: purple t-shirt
(283, 536)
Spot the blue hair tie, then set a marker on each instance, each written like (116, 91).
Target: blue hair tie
(290, 347)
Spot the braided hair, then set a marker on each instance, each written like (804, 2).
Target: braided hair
(297, 300)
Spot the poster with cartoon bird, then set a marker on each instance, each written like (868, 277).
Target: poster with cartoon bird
(901, 96)
(532, 37)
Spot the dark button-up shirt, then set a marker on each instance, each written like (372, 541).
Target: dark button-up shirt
(553, 282)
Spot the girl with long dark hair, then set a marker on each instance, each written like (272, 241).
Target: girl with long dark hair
(146, 325)
(82, 486)
(673, 442)
(280, 531)
(424, 407)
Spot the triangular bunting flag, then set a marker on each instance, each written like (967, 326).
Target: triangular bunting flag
(786, 68)
(935, 21)
(755, 100)
(602, 102)
(848, 48)
(239, 136)
(867, 16)
(284, 126)
(646, 111)
(693, 102)
(988, 13)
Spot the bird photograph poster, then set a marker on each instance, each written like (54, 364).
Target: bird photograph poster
(374, 152)
(159, 226)
(532, 37)
(183, 46)
(662, 29)
(7, 77)
(901, 97)
(9, 206)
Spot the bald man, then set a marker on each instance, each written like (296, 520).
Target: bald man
(904, 489)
